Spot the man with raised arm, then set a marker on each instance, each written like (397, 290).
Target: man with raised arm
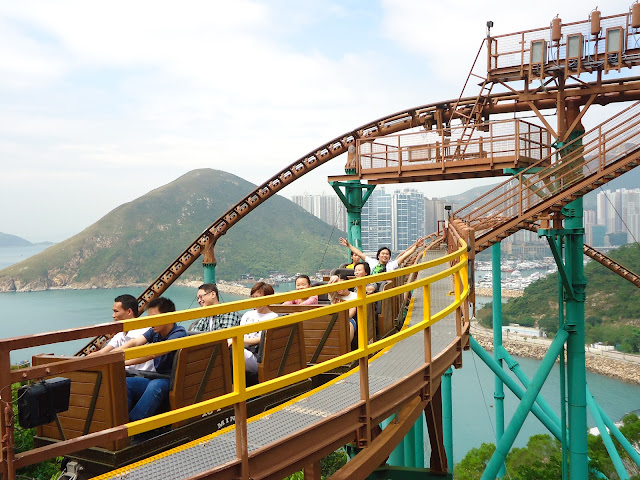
(208, 295)
(146, 395)
(383, 262)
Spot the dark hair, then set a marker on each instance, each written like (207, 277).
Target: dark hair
(306, 277)
(128, 302)
(164, 305)
(365, 265)
(209, 287)
(265, 288)
(380, 249)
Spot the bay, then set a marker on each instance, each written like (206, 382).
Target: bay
(11, 255)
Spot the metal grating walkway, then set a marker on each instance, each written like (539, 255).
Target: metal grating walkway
(397, 362)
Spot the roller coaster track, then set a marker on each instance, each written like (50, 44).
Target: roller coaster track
(603, 260)
(612, 265)
(422, 116)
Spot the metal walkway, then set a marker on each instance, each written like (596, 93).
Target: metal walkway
(211, 452)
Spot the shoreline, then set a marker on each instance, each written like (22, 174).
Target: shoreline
(601, 362)
(222, 286)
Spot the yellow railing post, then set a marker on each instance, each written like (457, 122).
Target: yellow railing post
(364, 432)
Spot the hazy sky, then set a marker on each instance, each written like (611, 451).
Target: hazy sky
(103, 101)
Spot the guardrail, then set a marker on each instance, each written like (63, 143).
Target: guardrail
(579, 48)
(513, 138)
(241, 393)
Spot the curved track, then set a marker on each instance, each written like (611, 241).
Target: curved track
(437, 114)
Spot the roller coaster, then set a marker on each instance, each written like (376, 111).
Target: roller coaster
(400, 368)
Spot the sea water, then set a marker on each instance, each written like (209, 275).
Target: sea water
(473, 385)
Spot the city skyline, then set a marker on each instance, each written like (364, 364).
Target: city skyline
(393, 219)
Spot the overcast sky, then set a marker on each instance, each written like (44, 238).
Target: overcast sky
(103, 101)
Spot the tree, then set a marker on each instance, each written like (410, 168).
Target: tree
(474, 463)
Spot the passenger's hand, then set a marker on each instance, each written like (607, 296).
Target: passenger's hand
(334, 279)
(344, 242)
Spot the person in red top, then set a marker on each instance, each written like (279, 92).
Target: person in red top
(302, 282)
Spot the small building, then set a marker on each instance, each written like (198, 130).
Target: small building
(515, 329)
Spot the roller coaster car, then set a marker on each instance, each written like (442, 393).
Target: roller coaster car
(99, 401)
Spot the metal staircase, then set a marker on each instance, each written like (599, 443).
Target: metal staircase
(471, 115)
(539, 192)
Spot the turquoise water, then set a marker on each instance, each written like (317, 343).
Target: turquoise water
(35, 312)
(11, 255)
(473, 387)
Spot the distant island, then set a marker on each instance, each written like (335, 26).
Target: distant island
(8, 240)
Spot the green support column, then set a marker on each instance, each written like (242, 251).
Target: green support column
(576, 371)
(209, 264)
(419, 441)
(209, 272)
(498, 393)
(563, 380)
(409, 447)
(354, 197)
(447, 417)
(526, 404)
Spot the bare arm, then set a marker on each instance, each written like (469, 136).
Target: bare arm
(136, 342)
(403, 256)
(106, 349)
(345, 243)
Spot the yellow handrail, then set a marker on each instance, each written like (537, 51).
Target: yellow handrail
(240, 393)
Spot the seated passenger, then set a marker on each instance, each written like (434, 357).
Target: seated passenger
(208, 295)
(144, 395)
(355, 259)
(125, 307)
(383, 262)
(252, 340)
(345, 295)
(302, 282)
(362, 270)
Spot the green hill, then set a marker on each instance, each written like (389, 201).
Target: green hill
(8, 240)
(612, 308)
(135, 242)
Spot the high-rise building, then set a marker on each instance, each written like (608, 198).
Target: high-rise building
(619, 212)
(407, 222)
(433, 212)
(377, 221)
(328, 208)
(589, 220)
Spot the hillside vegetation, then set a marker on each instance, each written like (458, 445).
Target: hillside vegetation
(135, 242)
(612, 308)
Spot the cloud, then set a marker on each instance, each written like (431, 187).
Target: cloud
(96, 91)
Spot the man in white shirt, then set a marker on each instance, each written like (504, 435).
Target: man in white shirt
(124, 308)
